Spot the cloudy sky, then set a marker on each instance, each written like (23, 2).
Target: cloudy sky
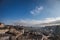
(29, 12)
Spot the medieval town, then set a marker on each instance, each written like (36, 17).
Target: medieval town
(29, 19)
(10, 32)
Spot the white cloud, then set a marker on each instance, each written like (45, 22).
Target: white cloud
(37, 10)
(46, 21)
(29, 22)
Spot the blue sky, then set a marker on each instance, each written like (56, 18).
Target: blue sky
(28, 10)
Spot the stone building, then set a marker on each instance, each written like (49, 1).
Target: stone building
(16, 32)
(12, 32)
(3, 29)
(4, 37)
(1, 25)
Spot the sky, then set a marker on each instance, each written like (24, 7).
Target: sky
(29, 12)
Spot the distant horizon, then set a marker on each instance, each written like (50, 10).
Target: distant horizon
(33, 25)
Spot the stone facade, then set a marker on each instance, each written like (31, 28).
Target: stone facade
(1, 25)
